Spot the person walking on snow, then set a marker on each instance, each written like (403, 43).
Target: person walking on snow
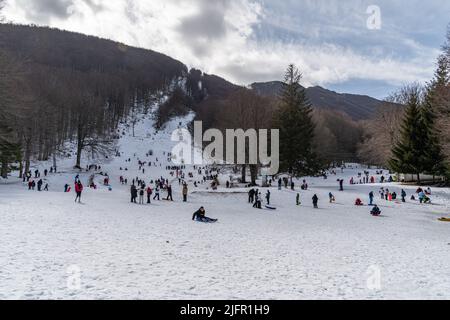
(251, 196)
(382, 193)
(78, 191)
(169, 193)
(371, 196)
(257, 203)
(156, 197)
(149, 193)
(141, 196)
(403, 194)
(315, 200)
(185, 192)
(133, 191)
(297, 199)
(268, 197)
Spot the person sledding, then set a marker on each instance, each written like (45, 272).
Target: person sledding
(199, 216)
(375, 211)
(332, 198)
(358, 202)
(423, 198)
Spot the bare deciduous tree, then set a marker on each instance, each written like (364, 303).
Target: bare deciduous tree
(244, 109)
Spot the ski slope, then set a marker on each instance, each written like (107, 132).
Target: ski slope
(108, 248)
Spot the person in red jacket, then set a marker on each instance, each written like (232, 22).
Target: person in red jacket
(78, 190)
(149, 193)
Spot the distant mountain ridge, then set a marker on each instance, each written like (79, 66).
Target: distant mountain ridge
(60, 50)
(358, 107)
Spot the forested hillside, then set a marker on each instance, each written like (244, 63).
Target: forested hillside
(58, 86)
(63, 92)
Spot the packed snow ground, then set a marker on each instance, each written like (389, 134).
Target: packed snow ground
(127, 251)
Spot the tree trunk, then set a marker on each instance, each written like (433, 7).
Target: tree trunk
(54, 161)
(80, 145)
(253, 174)
(244, 174)
(79, 151)
(418, 179)
(20, 169)
(27, 155)
(4, 167)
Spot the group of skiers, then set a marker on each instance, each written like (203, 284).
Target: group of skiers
(141, 190)
(255, 198)
(32, 185)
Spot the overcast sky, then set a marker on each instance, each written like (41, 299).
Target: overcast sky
(341, 45)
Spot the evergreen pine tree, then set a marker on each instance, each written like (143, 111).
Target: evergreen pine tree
(436, 162)
(409, 154)
(294, 120)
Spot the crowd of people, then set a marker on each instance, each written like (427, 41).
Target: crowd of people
(144, 190)
(423, 195)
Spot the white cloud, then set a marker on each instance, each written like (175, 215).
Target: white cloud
(253, 40)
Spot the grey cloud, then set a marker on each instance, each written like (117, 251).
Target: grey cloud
(207, 25)
(130, 12)
(95, 7)
(41, 11)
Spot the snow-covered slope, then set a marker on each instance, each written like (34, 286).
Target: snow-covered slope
(126, 251)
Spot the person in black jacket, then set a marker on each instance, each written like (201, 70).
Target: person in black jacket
(251, 195)
(375, 211)
(199, 216)
(134, 193)
(403, 194)
(341, 185)
(315, 200)
(169, 193)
